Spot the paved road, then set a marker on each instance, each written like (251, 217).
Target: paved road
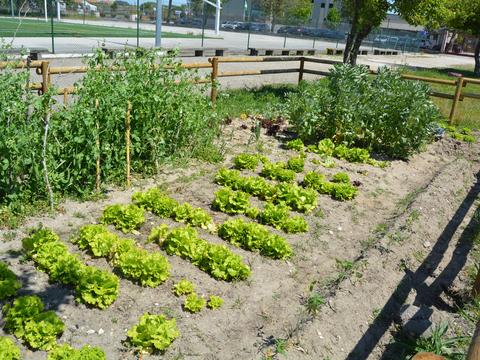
(231, 40)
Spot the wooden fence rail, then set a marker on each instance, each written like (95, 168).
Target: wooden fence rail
(46, 71)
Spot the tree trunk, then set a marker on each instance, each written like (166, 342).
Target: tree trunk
(449, 47)
(352, 36)
(169, 11)
(477, 58)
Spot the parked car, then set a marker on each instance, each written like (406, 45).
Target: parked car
(260, 27)
(230, 25)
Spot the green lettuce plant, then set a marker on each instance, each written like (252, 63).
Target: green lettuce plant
(214, 302)
(296, 164)
(296, 144)
(8, 282)
(126, 218)
(246, 161)
(183, 287)
(153, 332)
(231, 202)
(66, 352)
(8, 349)
(277, 171)
(194, 303)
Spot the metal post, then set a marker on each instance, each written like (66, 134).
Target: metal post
(58, 10)
(51, 26)
(203, 23)
(285, 40)
(138, 23)
(217, 18)
(84, 12)
(45, 9)
(249, 24)
(158, 24)
(11, 5)
(456, 99)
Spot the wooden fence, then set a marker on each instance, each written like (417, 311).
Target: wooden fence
(46, 71)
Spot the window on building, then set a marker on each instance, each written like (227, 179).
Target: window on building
(322, 5)
(330, 6)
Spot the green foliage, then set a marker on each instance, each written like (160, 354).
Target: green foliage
(124, 217)
(156, 201)
(164, 206)
(295, 197)
(153, 332)
(26, 319)
(253, 185)
(92, 286)
(461, 134)
(231, 202)
(277, 171)
(296, 164)
(66, 352)
(8, 349)
(184, 287)
(252, 236)
(193, 303)
(8, 282)
(341, 177)
(294, 225)
(339, 189)
(97, 288)
(326, 147)
(216, 260)
(246, 161)
(314, 303)
(385, 113)
(214, 302)
(171, 118)
(439, 343)
(296, 144)
(274, 215)
(135, 263)
(159, 234)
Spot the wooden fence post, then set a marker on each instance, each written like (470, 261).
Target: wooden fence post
(45, 69)
(427, 356)
(214, 92)
(97, 143)
(300, 71)
(456, 99)
(127, 141)
(476, 286)
(474, 350)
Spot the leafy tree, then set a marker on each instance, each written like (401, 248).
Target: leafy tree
(273, 9)
(333, 18)
(465, 17)
(298, 11)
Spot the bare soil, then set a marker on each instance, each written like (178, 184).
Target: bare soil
(405, 233)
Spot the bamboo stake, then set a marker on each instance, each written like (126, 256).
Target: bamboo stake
(65, 97)
(97, 143)
(127, 140)
(214, 91)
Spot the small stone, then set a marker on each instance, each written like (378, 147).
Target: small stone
(101, 331)
(427, 244)
(330, 232)
(157, 304)
(339, 228)
(90, 331)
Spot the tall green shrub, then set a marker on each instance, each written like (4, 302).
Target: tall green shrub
(383, 113)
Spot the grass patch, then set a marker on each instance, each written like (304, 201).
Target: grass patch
(38, 28)
(468, 110)
(265, 101)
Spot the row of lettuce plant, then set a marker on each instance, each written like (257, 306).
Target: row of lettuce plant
(92, 286)
(233, 202)
(216, 260)
(133, 262)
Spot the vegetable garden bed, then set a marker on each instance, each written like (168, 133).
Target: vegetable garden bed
(311, 297)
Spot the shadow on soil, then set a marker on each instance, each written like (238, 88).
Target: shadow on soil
(427, 295)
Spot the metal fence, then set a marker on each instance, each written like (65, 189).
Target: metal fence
(244, 24)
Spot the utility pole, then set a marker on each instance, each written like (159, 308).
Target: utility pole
(138, 23)
(58, 10)
(158, 24)
(45, 10)
(217, 18)
(51, 23)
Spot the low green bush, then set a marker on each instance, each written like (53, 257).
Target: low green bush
(383, 113)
